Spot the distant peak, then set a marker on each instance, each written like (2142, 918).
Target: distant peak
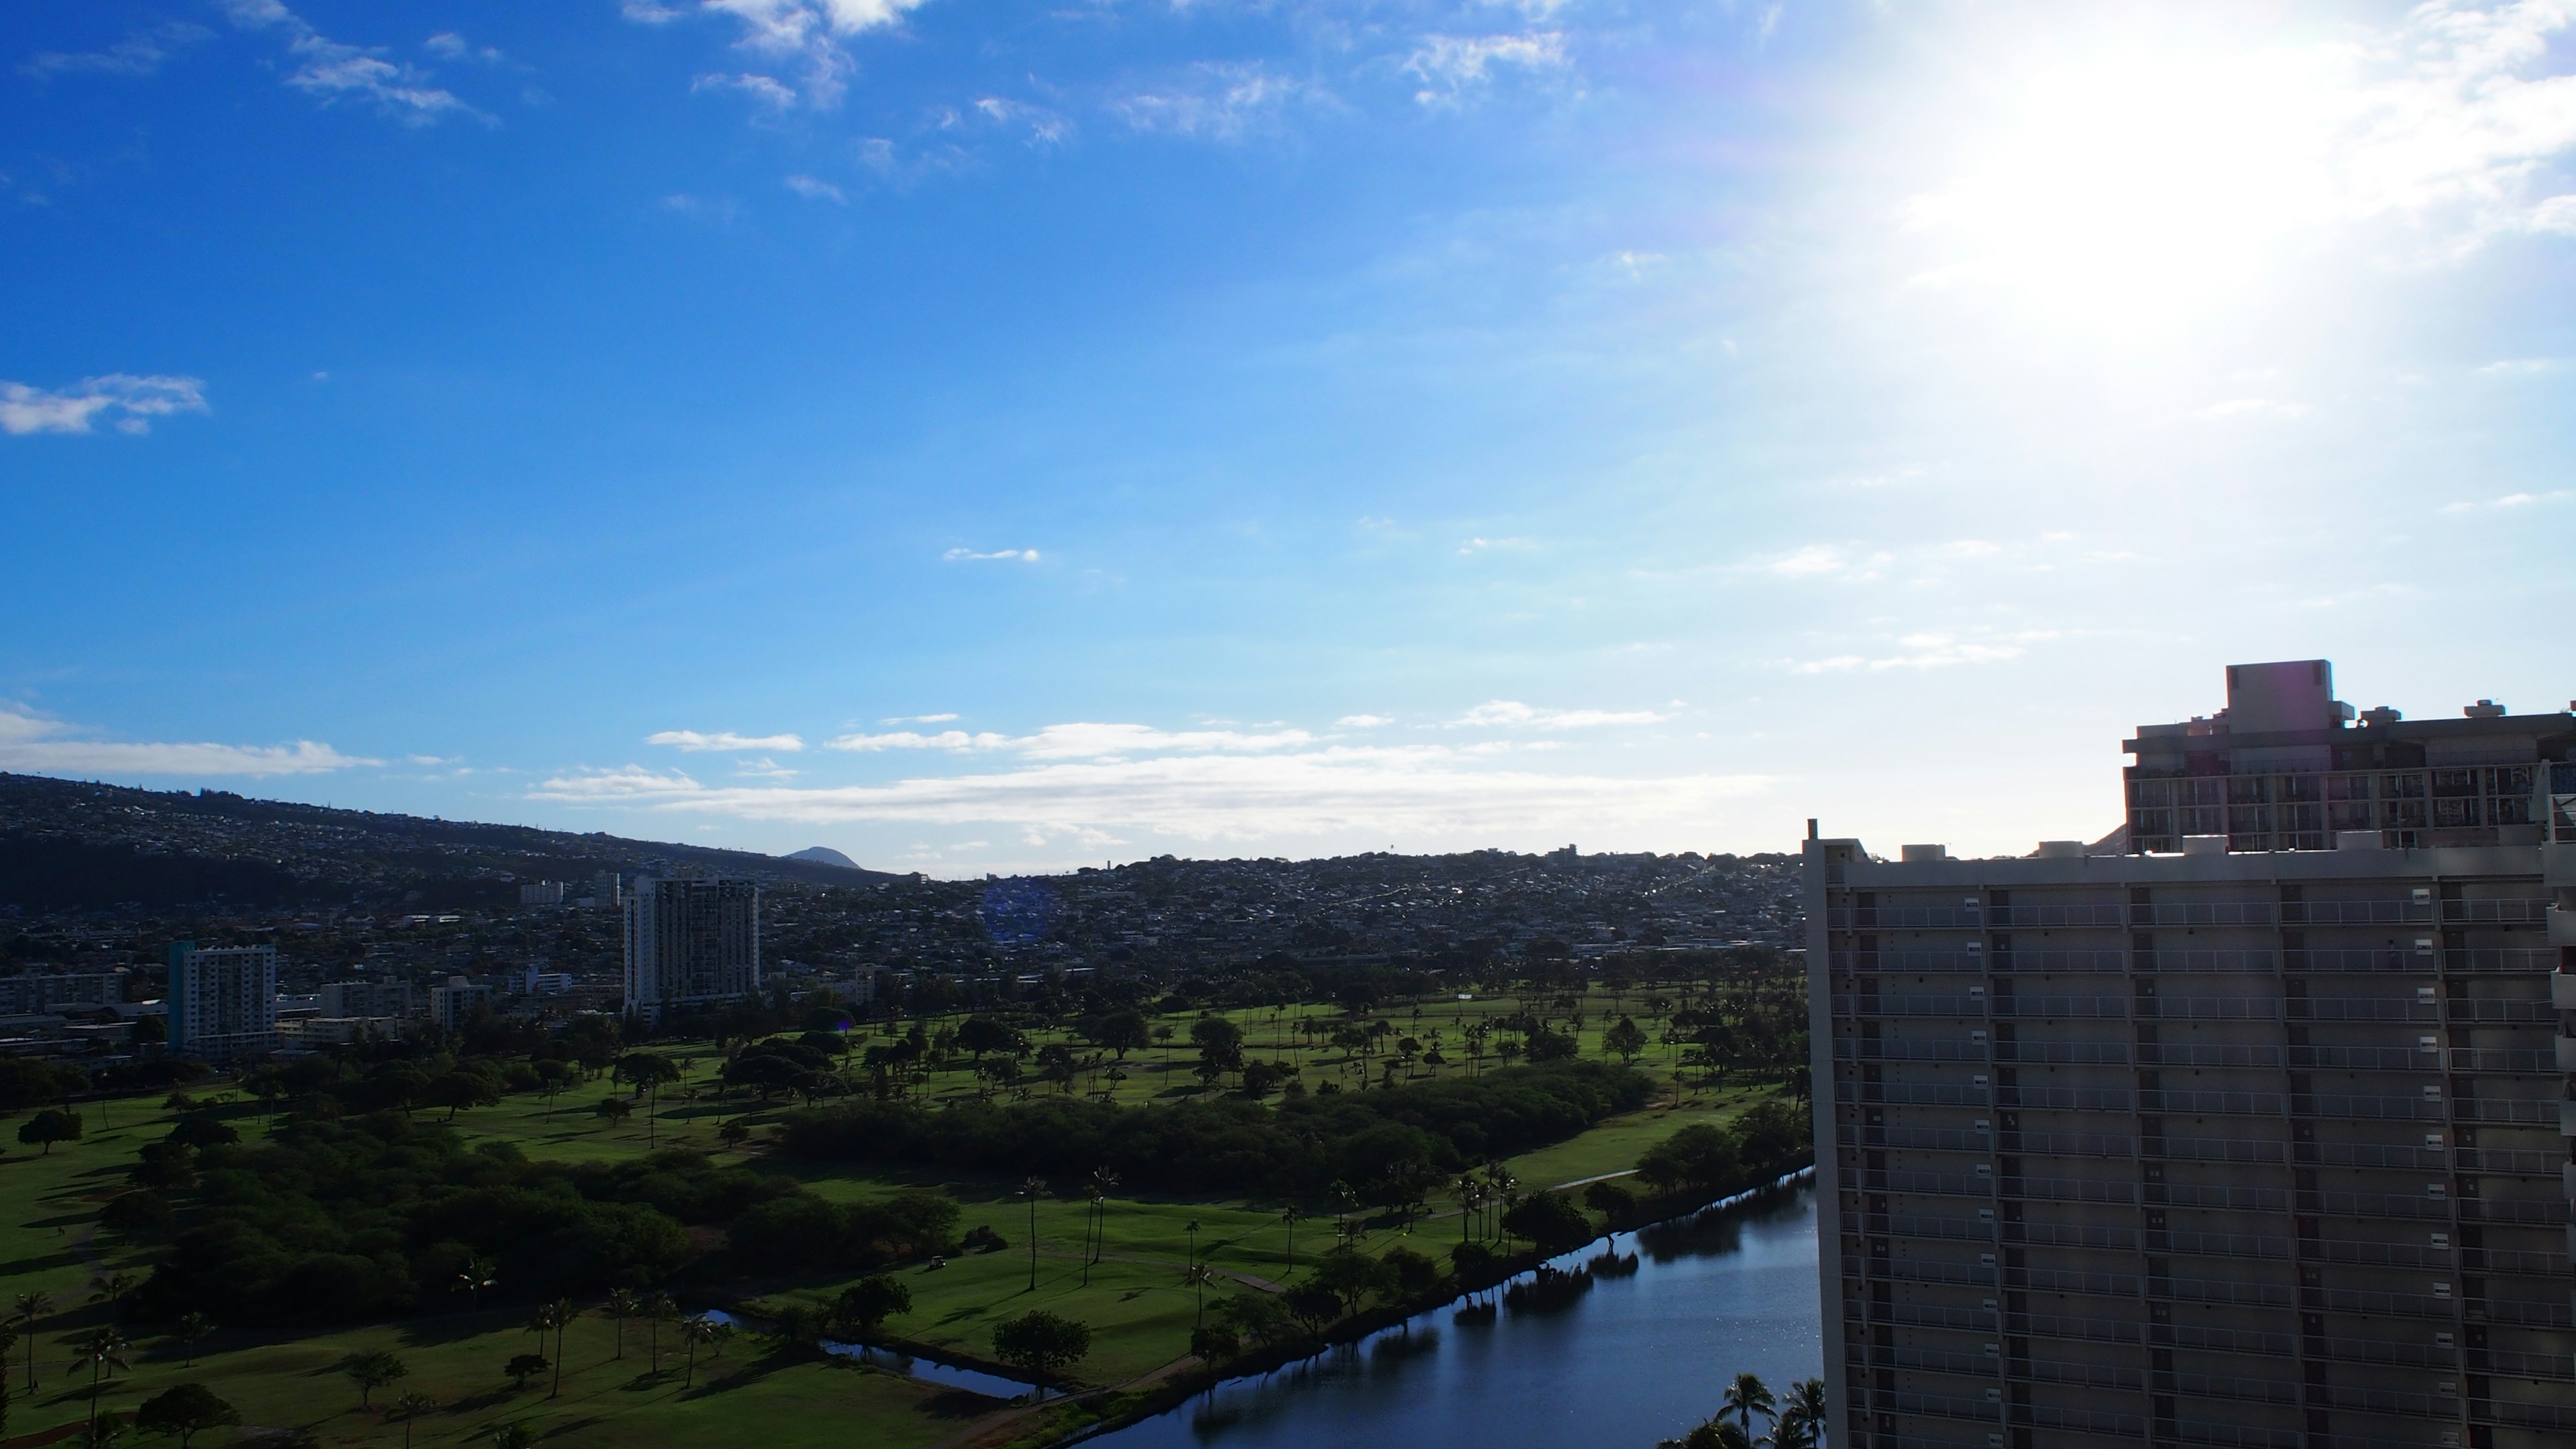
(824, 855)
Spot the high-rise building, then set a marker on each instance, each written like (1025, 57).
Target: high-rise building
(453, 1005)
(691, 943)
(222, 1002)
(2250, 1131)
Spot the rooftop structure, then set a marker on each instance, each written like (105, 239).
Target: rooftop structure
(2286, 766)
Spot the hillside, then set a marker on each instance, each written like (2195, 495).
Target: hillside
(67, 845)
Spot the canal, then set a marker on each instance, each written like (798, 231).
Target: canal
(1639, 1354)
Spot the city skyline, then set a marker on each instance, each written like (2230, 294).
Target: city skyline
(1010, 440)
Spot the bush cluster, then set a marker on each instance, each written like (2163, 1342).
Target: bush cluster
(1373, 1141)
(374, 1216)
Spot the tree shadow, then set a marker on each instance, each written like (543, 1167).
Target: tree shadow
(960, 1404)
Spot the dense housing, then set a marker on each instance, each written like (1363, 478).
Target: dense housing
(2250, 1135)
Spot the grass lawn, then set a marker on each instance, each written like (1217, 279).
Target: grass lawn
(1135, 1300)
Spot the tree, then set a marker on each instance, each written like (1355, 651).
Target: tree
(981, 1034)
(373, 1370)
(105, 1429)
(525, 1366)
(553, 1318)
(1746, 1397)
(105, 1352)
(1042, 1344)
(49, 1127)
(474, 1277)
(648, 1071)
(112, 1289)
(612, 1109)
(514, 1436)
(184, 1412)
(410, 1407)
(1802, 1416)
(1550, 1220)
(657, 1310)
(733, 1134)
(864, 1306)
(1120, 1032)
(25, 1310)
(1352, 1276)
(188, 1328)
(1624, 1040)
(1213, 1343)
(1033, 1189)
(693, 1332)
(620, 1307)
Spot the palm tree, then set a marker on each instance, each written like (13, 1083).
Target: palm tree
(408, 1408)
(621, 1306)
(658, 1310)
(1197, 1276)
(1033, 1189)
(695, 1331)
(1290, 1217)
(1192, 1228)
(105, 1351)
(26, 1310)
(553, 1318)
(1746, 1397)
(188, 1329)
(1802, 1415)
(111, 1289)
(474, 1278)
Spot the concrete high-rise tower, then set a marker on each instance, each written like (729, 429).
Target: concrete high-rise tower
(691, 943)
(2248, 1126)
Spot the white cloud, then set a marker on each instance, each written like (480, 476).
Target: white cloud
(133, 401)
(2509, 500)
(814, 190)
(1082, 740)
(914, 740)
(1212, 100)
(1363, 721)
(1450, 65)
(2522, 367)
(1514, 714)
(448, 45)
(920, 718)
(764, 89)
(724, 740)
(1044, 127)
(764, 768)
(1808, 562)
(33, 744)
(966, 555)
(1208, 797)
(138, 54)
(806, 37)
(327, 69)
(1488, 545)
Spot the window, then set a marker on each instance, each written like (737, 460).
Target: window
(2247, 790)
(2401, 787)
(2348, 787)
(2454, 782)
(2455, 814)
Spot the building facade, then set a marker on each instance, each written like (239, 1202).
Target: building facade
(2255, 1135)
(691, 943)
(364, 998)
(56, 991)
(222, 1002)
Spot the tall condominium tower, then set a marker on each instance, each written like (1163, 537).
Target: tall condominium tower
(222, 1002)
(691, 943)
(2247, 1127)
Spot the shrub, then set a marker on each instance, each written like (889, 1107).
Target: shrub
(1551, 1220)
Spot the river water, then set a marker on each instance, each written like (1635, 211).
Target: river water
(1641, 1355)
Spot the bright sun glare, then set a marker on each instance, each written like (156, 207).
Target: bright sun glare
(2125, 191)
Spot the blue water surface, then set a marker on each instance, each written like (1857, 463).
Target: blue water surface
(1638, 1357)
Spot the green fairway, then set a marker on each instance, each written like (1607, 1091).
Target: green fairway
(1122, 1271)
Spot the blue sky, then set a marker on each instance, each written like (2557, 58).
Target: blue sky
(1010, 436)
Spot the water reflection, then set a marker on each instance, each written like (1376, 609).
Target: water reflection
(1617, 1352)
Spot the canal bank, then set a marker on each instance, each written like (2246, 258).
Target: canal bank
(1634, 1352)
